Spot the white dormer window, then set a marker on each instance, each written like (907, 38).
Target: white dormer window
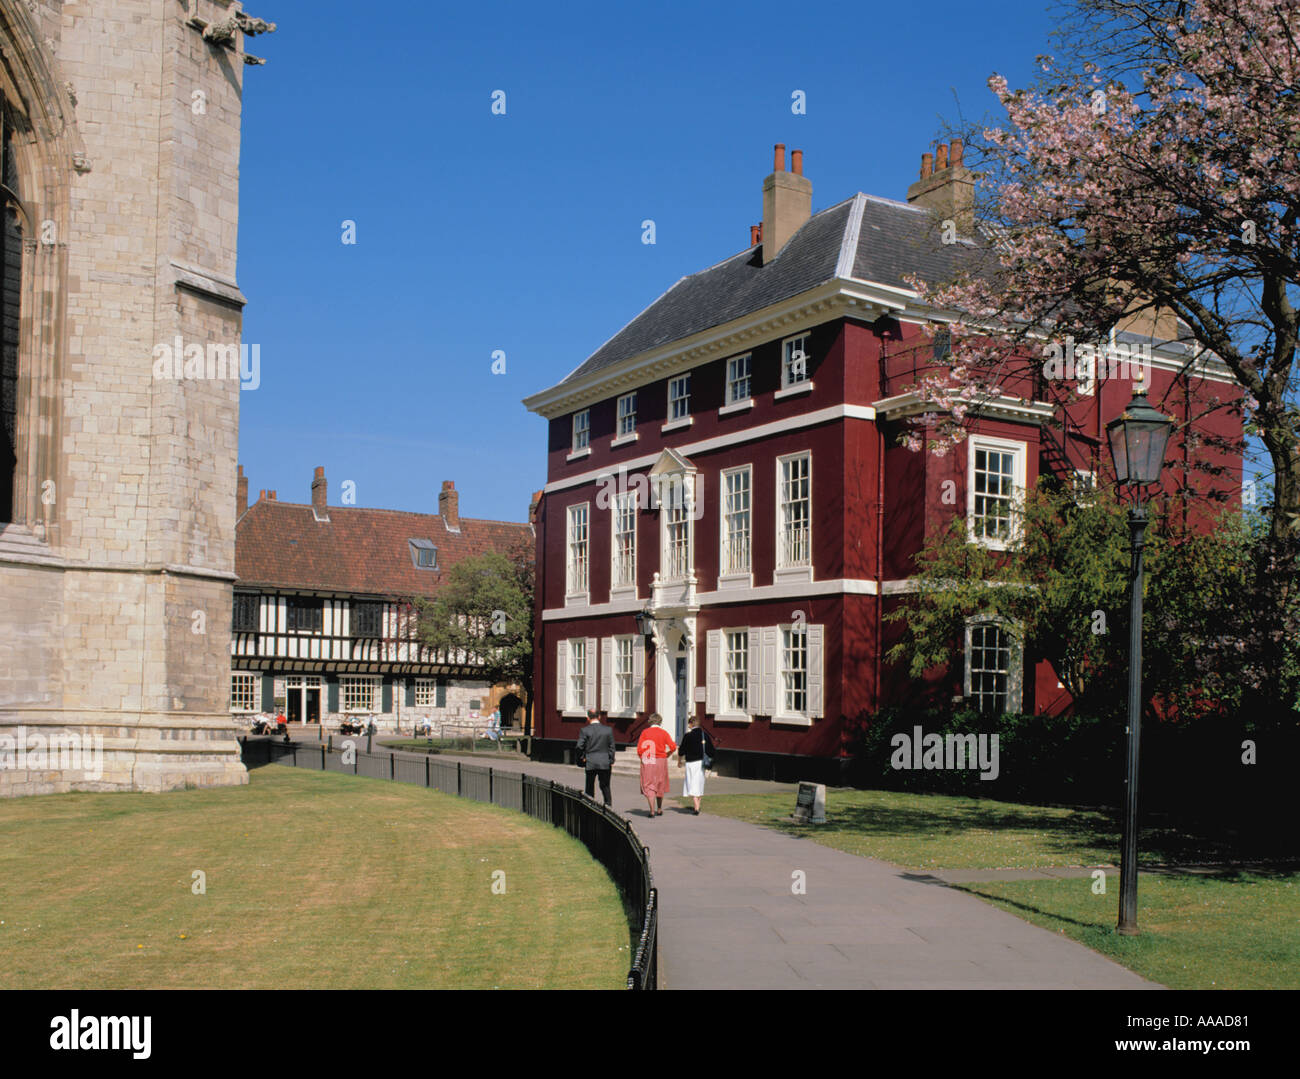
(581, 429)
(424, 555)
(679, 398)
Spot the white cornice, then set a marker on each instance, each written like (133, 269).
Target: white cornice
(749, 434)
(834, 299)
(838, 297)
(1002, 407)
(841, 586)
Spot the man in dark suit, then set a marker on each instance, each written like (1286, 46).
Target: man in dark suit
(596, 753)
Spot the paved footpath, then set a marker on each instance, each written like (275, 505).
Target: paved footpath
(730, 917)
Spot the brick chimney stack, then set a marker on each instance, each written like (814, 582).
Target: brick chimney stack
(787, 202)
(319, 489)
(947, 187)
(449, 506)
(532, 507)
(241, 493)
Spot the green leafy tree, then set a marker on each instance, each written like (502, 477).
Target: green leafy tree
(1062, 592)
(482, 619)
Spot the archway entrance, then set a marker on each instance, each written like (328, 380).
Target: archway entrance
(510, 710)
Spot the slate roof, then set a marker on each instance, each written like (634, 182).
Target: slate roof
(358, 551)
(871, 239)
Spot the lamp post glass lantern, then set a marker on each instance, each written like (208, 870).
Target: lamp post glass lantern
(644, 623)
(1138, 437)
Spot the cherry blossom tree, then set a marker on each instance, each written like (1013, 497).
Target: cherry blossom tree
(1154, 174)
(1158, 178)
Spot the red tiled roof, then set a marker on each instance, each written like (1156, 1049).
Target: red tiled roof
(359, 551)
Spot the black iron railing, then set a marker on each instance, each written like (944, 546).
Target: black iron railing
(605, 834)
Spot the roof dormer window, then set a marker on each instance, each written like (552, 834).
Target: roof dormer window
(424, 555)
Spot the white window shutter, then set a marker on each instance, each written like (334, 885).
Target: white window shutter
(713, 652)
(966, 660)
(606, 666)
(771, 669)
(638, 674)
(562, 676)
(752, 689)
(591, 672)
(1016, 676)
(816, 669)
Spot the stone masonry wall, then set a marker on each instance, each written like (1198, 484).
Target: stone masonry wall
(116, 625)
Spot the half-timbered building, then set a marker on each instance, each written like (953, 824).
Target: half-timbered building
(730, 509)
(324, 626)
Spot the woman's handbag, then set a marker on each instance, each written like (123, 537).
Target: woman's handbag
(704, 749)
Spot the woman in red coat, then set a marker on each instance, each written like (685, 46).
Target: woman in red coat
(653, 747)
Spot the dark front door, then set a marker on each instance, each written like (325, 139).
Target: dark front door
(293, 700)
(682, 703)
(313, 706)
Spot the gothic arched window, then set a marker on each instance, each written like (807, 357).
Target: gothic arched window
(11, 276)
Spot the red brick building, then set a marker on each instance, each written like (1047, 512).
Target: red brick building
(323, 625)
(773, 389)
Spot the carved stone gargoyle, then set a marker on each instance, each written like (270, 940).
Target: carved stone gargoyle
(223, 33)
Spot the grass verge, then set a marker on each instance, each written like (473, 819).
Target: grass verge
(1225, 931)
(928, 831)
(313, 880)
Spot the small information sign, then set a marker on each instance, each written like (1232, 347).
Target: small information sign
(810, 805)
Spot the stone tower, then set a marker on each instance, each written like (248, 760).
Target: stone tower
(120, 376)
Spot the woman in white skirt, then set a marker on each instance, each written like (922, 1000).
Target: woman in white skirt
(696, 744)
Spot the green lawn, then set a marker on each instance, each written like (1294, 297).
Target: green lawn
(313, 880)
(1234, 931)
(927, 831)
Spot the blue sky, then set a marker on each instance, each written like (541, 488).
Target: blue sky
(522, 232)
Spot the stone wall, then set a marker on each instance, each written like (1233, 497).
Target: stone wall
(116, 571)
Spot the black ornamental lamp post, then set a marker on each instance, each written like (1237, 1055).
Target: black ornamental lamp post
(1138, 437)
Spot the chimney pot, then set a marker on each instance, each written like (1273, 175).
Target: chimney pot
(754, 234)
(796, 162)
(946, 187)
(319, 491)
(787, 204)
(778, 157)
(449, 506)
